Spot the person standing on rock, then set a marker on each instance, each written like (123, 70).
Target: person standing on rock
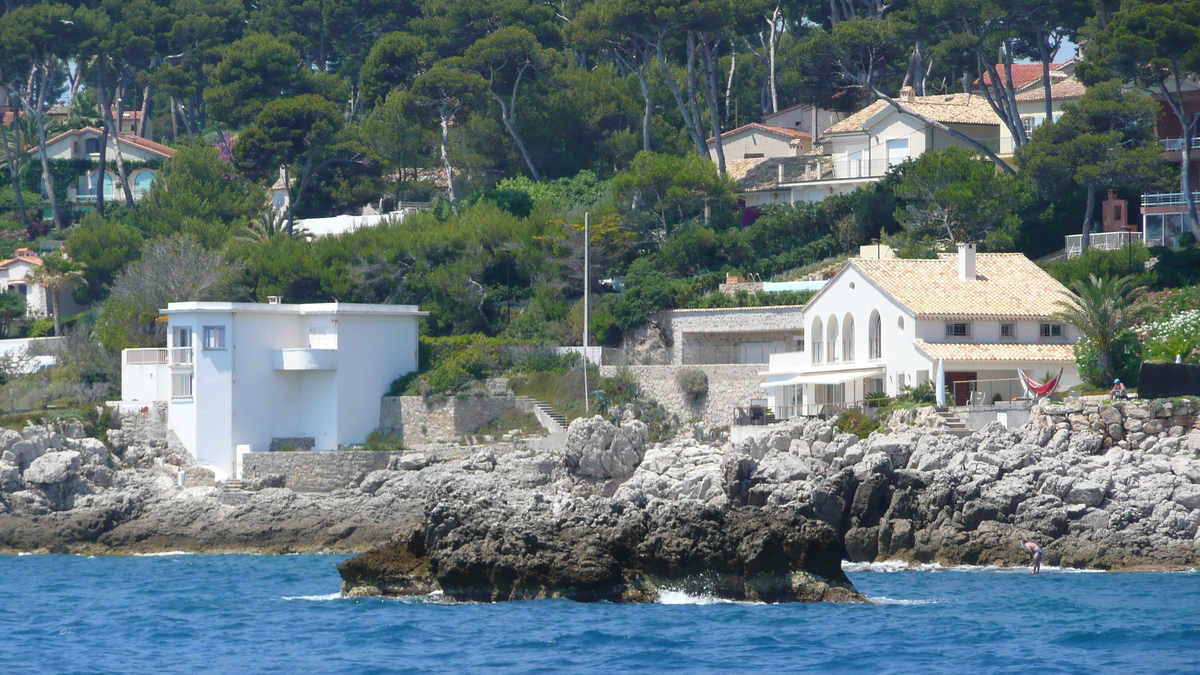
(1035, 553)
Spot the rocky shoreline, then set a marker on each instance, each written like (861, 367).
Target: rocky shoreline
(1100, 486)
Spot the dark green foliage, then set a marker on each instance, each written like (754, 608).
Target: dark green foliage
(856, 422)
(1125, 352)
(1069, 271)
(513, 201)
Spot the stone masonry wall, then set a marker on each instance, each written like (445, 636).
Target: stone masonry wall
(420, 421)
(729, 386)
(1162, 426)
(142, 425)
(745, 324)
(315, 471)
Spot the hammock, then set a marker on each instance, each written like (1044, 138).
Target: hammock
(1035, 389)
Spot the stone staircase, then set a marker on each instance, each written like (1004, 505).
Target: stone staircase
(554, 421)
(953, 424)
(232, 492)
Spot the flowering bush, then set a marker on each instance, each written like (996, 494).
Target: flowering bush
(1178, 335)
(1167, 303)
(1126, 355)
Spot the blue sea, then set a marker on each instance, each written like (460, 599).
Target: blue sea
(281, 614)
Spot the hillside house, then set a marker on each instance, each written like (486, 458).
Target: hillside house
(14, 273)
(966, 321)
(243, 377)
(761, 141)
(85, 144)
(867, 144)
(1164, 215)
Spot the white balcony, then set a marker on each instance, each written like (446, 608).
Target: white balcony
(1101, 241)
(1167, 199)
(1176, 144)
(172, 356)
(305, 359)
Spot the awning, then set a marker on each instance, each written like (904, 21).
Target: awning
(832, 377)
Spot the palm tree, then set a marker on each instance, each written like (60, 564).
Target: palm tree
(1100, 309)
(268, 224)
(57, 272)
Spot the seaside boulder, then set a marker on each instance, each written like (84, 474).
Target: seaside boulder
(53, 468)
(597, 448)
(606, 550)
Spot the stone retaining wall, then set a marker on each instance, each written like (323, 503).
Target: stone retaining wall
(729, 386)
(140, 425)
(315, 471)
(1165, 426)
(420, 421)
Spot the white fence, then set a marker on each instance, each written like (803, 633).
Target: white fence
(1103, 241)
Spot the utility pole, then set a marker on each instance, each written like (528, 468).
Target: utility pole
(587, 291)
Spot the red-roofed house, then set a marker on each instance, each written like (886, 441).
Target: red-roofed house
(141, 156)
(13, 273)
(761, 141)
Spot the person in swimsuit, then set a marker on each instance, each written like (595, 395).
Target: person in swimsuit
(1035, 554)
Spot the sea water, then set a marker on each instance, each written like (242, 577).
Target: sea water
(282, 614)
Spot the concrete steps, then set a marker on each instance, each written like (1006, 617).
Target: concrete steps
(232, 492)
(953, 424)
(554, 421)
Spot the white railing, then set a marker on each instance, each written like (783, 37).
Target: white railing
(181, 356)
(146, 357)
(1103, 241)
(1167, 199)
(1176, 144)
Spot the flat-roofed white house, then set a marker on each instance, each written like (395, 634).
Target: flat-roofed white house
(967, 320)
(243, 377)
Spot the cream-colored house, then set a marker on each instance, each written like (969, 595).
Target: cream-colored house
(85, 144)
(866, 145)
(14, 276)
(761, 141)
(966, 321)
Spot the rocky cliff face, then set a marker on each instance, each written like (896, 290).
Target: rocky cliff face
(1106, 486)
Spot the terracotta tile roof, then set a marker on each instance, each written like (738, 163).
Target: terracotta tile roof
(23, 255)
(1008, 285)
(1022, 73)
(949, 109)
(1071, 88)
(127, 138)
(786, 132)
(753, 175)
(992, 351)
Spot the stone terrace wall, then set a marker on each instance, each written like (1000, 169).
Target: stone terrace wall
(140, 425)
(315, 471)
(421, 421)
(742, 324)
(729, 386)
(1164, 426)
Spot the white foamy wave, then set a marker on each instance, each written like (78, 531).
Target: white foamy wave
(314, 598)
(674, 597)
(882, 600)
(162, 554)
(22, 554)
(901, 566)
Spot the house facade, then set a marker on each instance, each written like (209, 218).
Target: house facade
(85, 144)
(250, 377)
(965, 321)
(14, 276)
(867, 144)
(761, 141)
(1164, 215)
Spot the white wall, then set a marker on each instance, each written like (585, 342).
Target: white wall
(379, 349)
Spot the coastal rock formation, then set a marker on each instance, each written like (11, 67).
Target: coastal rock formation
(602, 549)
(1111, 486)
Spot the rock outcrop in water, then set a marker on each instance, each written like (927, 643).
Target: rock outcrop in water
(603, 549)
(1101, 486)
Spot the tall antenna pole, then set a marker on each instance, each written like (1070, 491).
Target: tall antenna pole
(587, 291)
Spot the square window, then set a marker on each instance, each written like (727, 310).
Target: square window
(958, 330)
(1052, 330)
(214, 337)
(1008, 330)
(181, 385)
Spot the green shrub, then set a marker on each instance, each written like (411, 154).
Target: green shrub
(922, 393)
(693, 383)
(378, 441)
(877, 399)
(40, 328)
(1126, 354)
(855, 422)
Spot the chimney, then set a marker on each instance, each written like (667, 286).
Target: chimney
(966, 262)
(907, 94)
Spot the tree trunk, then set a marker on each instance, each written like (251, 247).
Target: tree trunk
(40, 117)
(52, 296)
(1044, 48)
(710, 64)
(103, 169)
(115, 131)
(772, 44)
(1085, 237)
(445, 117)
(508, 114)
(13, 174)
(729, 82)
(647, 100)
(174, 119)
(693, 95)
(145, 112)
(693, 131)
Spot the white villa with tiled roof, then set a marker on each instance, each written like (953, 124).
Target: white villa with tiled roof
(881, 325)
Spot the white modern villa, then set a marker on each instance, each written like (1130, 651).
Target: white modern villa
(966, 320)
(249, 377)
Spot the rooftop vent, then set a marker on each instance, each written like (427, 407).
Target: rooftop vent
(966, 262)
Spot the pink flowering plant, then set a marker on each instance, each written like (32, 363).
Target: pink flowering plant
(1157, 304)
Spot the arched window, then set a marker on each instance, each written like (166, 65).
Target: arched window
(141, 185)
(875, 340)
(831, 338)
(110, 182)
(92, 146)
(818, 341)
(848, 339)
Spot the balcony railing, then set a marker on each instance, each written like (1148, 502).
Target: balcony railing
(174, 356)
(1167, 199)
(1176, 144)
(1103, 241)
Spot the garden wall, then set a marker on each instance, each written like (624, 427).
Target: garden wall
(311, 471)
(729, 386)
